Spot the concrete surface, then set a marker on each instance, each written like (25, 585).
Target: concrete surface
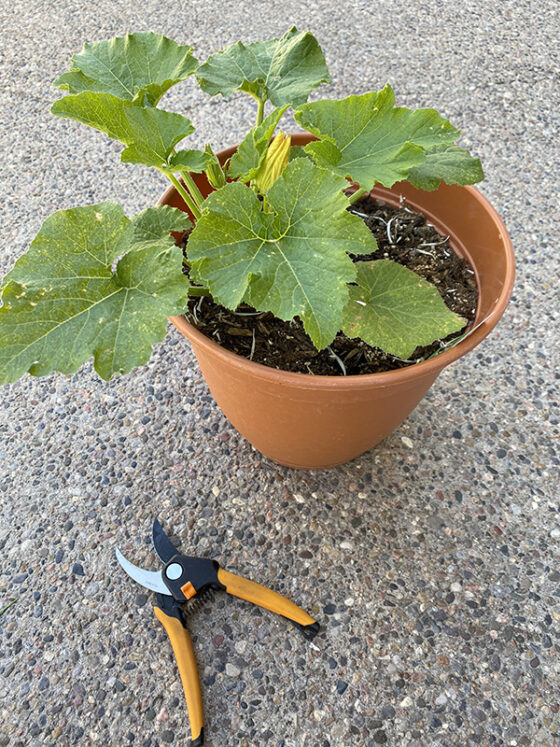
(431, 562)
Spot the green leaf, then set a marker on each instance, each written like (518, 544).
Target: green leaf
(298, 151)
(154, 224)
(149, 134)
(138, 67)
(394, 309)
(192, 160)
(368, 139)
(64, 301)
(283, 71)
(450, 163)
(292, 260)
(246, 161)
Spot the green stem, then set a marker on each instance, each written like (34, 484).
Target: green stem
(195, 290)
(193, 189)
(189, 201)
(260, 112)
(356, 196)
(7, 606)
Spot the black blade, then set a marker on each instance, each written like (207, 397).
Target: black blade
(162, 544)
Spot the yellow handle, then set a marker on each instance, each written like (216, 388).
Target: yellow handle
(257, 594)
(184, 656)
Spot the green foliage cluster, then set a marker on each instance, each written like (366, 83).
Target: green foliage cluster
(276, 233)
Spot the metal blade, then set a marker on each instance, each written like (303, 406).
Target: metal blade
(162, 544)
(149, 579)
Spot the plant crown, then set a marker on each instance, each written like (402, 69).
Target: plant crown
(275, 233)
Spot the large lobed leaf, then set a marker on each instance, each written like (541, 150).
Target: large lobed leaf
(368, 139)
(283, 70)
(394, 309)
(293, 260)
(64, 302)
(138, 67)
(150, 134)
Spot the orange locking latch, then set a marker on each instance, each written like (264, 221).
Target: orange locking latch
(188, 590)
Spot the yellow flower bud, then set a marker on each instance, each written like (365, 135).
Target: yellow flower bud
(214, 172)
(275, 161)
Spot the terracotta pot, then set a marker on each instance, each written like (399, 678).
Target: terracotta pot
(314, 422)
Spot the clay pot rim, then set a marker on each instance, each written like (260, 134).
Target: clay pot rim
(364, 381)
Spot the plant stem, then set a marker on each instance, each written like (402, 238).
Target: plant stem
(195, 290)
(189, 201)
(260, 112)
(193, 189)
(356, 196)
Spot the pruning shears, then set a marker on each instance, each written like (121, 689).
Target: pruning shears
(184, 580)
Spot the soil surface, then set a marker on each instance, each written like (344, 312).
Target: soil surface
(403, 236)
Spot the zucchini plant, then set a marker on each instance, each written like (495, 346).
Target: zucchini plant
(275, 233)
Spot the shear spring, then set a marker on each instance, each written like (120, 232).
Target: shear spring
(194, 604)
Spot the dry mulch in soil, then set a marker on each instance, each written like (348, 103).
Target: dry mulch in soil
(403, 236)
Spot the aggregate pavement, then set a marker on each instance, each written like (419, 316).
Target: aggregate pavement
(431, 562)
